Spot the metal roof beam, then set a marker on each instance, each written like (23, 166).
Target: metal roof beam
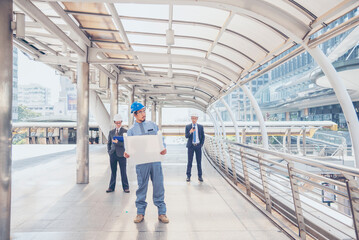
(159, 58)
(190, 92)
(266, 12)
(74, 27)
(176, 79)
(121, 30)
(30, 9)
(41, 44)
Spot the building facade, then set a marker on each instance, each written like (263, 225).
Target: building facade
(36, 98)
(67, 104)
(283, 93)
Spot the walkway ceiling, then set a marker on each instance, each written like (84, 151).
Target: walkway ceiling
(217, 44)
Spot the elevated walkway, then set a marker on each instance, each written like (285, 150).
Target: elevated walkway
(48, 204)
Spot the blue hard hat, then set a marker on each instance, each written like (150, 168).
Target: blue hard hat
(136, 106)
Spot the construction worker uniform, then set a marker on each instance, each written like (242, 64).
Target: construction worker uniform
(145, 171)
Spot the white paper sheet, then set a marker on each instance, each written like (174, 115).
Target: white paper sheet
(144, 148)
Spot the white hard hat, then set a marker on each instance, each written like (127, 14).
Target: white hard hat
(117, 118)
(194, 114)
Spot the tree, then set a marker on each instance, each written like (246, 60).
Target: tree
(25, 113)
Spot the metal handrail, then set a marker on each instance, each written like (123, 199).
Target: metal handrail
(296, 187)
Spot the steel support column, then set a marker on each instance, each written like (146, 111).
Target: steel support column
(131, 99)
(342, 95)
(114, 101)
(259, 116)
(215, 126)
(222, 123)
(221, 141)
(153, 112)
(82, 134)
(160, 117)
(6, 68)
(232, 117)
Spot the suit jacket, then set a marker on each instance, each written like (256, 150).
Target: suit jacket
(190, 135)
(119, 147)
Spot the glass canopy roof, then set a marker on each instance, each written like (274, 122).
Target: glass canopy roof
(215, 45)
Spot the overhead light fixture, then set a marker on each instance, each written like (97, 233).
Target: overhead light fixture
(170, 37)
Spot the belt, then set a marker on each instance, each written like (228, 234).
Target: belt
(195, 144)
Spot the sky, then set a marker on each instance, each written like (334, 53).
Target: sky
(30, 72)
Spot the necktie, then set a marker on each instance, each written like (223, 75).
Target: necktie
(117, 131)
(194, 136)
(142, 129)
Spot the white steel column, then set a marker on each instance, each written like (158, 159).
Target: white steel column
(244, 108)
(259, 116)
(131, 99)
(232, 117)
(82, 134)
(153, 112)
(222, 123)
(6, 68)
(215, 126)
(342, 95)
(114, 101)
(250, 107)
(160, 117)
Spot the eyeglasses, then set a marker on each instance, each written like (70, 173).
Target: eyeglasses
(119, 122)
(141, 112)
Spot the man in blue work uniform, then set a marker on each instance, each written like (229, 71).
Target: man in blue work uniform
(145, 171)
(195, 134)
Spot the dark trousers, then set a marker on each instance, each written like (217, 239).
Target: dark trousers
(191, 150)
(114, 159)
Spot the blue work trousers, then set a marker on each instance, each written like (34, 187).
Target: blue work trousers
(144, 172)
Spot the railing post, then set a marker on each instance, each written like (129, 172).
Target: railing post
(354, 205)
(212, 147)
(245, 173)
(224, 155)
(304, 141)
(220, 156)
(297, 203)
(265, 184)
(231, 155)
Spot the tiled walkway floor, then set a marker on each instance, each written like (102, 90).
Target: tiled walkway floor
(48, 204)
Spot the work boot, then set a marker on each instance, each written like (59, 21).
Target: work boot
(163, 218)
(139, 218)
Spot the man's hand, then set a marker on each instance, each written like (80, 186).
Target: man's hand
(114, 140)
(163, 152)
(192, 130)
(126, 155)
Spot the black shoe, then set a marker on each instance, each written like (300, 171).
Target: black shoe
(200, 179)
(127, 190)
(188, 179)
(109, 190)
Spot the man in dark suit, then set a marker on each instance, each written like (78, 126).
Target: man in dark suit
(195, 134)
(115, 148)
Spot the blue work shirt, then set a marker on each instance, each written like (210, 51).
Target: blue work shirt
(150, 128)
